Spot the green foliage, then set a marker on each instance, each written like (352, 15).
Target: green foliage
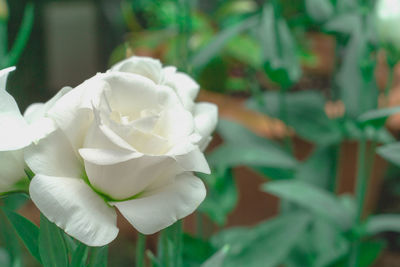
(390, 152)
(319, 10)
(27, 231)
(242, 147)
(275, 238)
(222, 195)
(324, 204)
(305, 113)
(205, 54)
(52, 248)
(279, 49)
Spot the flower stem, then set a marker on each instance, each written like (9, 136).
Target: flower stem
(140, 248)
(364, 168)
(389, 84)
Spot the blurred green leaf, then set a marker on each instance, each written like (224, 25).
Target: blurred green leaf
(377, 117)
(319, 167)
(230, 155)
(98, 257)
(383, 223)
(27, 231)
(79, 256)
(369, 252)
(318, 201)
(355, 78)
(53, 251)
(242, 147)
(217, 259)
(279, 49)
(319, 10)
(205, 54)
(390, 152)
(266, 244)
(4, 258)
(344, 24)
(329, 243)
(222, 195)
(306, 114)
(11, 243)
(196, 250)
(245, 49)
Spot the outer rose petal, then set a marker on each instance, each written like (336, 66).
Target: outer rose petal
(37, 111)
(74, 207)
(205, 120)
(185, 87)
(145, 66)
(159, 209)
(190, 158)
(54, 156)
(14, 132)
(129, 176)
(12, 168)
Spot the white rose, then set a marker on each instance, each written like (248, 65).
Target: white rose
(17, 132)
(388, 21)
(127, 141)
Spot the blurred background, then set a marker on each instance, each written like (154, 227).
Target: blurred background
(299, 86)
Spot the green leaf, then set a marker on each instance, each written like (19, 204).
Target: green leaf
(230, 155)
(27, 231)
(344, 24)
(355, 78)
(202, 57)
(328, 252)
(7, 234)
(369, 252)
(4, 258)
(377, 117)
(98, 257)
(390, 152)
(250, 245)
(319, 10)
(217, 259)
(280, 59)
(53, 251)
(242, 147)
(306, 114)
(196, 250)
(222, 195)
(318, 201)
(383, 223)
(319, 167)
(79, 257)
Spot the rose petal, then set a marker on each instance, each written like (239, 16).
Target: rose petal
(190, 158)
(37, 111)
(175, 124)
(73, 111)
(14, 132)
(185, 87)
(11, 168)
(53, 156)
(125, 179)
(205, 120)
(148, 67)
(73, 206)
(159, 209)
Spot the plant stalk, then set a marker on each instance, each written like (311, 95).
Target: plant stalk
(140, 250)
